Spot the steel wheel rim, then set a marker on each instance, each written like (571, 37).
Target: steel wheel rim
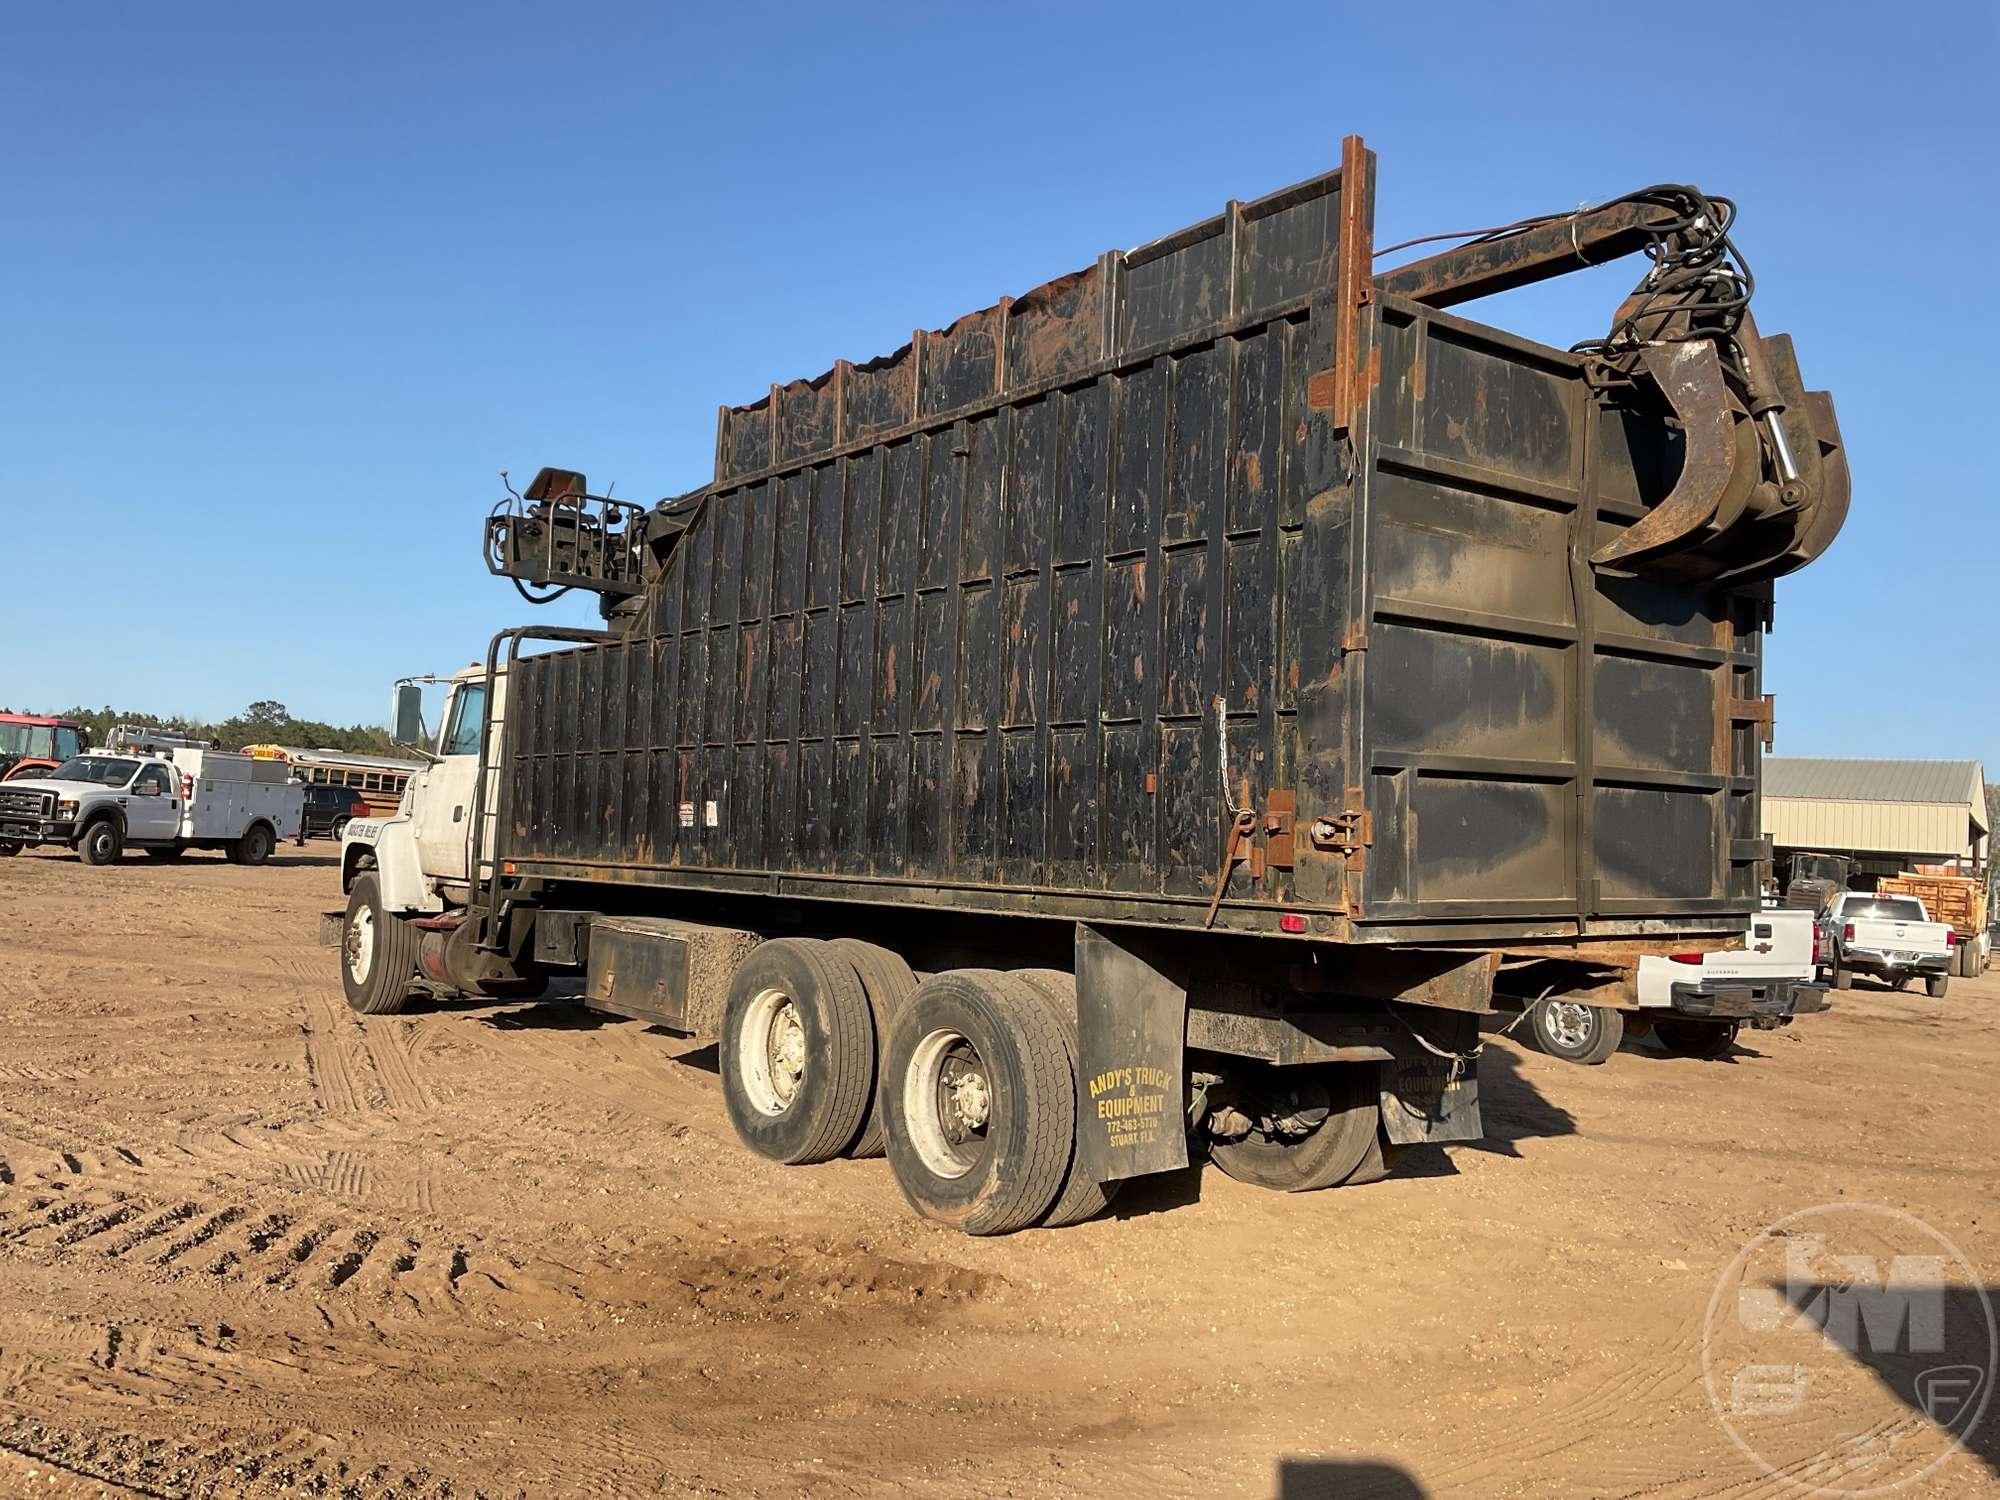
(361, 944)
(100, 841)
(1571, 1023)
(771, 1062)
(947, 1103)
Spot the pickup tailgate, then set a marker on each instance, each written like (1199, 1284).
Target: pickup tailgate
(1779, 944)
(1899, 937)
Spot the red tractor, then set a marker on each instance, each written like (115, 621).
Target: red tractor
(32, 744)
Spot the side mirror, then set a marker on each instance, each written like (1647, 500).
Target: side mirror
(406, 714)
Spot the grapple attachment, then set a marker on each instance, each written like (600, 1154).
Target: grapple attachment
(1762, 486)
(556, 534)
(1755, 484)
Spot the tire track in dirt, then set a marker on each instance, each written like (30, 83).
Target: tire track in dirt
(352, 1066)
(330, 1065)
(349, 1157)
(166, 1233)
(208, 1461)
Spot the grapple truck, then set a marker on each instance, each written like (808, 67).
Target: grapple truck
(1172, 706)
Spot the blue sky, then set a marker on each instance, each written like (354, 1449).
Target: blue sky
(282, 287)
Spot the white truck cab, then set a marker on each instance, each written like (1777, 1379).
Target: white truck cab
(409, 877)
(419, 854)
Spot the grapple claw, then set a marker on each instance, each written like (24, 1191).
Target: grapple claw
(1712, 481)
(1773, 505)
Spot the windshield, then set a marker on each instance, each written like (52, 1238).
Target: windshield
(37, 740)
(468, 717)
(104, 770)
(1886, 909)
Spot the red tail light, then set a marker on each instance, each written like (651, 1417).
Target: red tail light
(1847, 933)
(187, 787)
(1815, 942)
(1950, 937)
(1686, 958)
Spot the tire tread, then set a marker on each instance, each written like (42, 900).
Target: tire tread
(888, 982)
(1081, 1197)
(1052, 1134)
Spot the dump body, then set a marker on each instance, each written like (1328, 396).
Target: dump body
(1957, 900)
(1211, 563)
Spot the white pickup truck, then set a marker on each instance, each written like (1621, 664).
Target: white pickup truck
(1694, 1004)
(1889, 936)
(165, 804)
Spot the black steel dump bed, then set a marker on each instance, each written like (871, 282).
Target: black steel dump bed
(1219, 555)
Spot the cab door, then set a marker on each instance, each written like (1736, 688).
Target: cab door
(153, 806)
(442, 808)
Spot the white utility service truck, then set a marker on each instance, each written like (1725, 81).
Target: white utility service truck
(164, 803)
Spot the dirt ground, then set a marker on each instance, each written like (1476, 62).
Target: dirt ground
(251, 1244)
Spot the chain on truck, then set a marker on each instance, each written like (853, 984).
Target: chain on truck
(1173, 707)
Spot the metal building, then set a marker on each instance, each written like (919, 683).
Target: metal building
(1889, 815)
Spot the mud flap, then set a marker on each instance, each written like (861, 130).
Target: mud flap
(1131, 1031)
(1427, 1098)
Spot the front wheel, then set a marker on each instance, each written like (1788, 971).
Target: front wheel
(339, 829)
(378, 953)
(1574, 1031)
(1704, 1039)
(8, 850)
(102, 843)
(1307, 1127)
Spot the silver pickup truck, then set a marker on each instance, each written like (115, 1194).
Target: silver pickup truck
(100, 805)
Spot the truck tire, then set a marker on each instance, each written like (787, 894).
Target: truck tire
(254, 846)
(378, 953)
(982, 1113)
(1382, 1159)
(1081, 1196)
(101, 842)
(8, 850)
(1704, 1039)
(1935, 985)
(1574, 1031)
(339, 829)
(1334, 1110)
(888, 982)
(797, 1051)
